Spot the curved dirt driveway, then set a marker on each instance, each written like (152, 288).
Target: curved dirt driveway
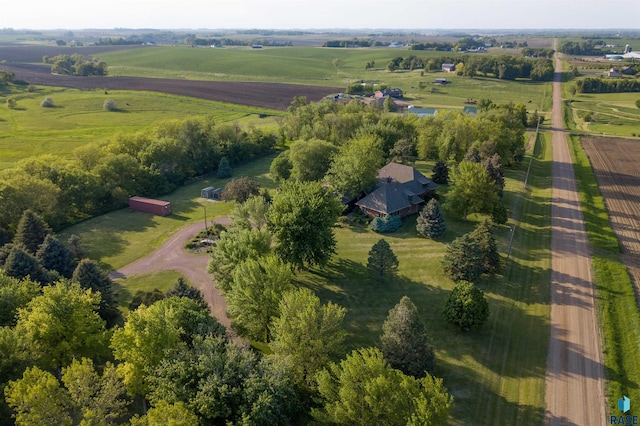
(575, 373)
(172, 256)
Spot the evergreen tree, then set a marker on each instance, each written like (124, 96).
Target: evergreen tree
(466, 307)
(495, 170)
(146, 298)
(404, 341)
(89, 275)
(464, 259)
(31, 231)
(381, 260)
(76, 247)
(55, 256)
(440, 173)
(499, 214)
(224, 169)
(183, 289)
(21, 264)
(483, 235)
(430, 222)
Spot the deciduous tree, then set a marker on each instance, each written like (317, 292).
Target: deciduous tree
(280, 168)
(301, 218)
(311, 159)
(258, 286)
(355, 167)
(404, 342)
(241, 189)
(466, 307)
(471, 190)
(307, 335)
(364, 390)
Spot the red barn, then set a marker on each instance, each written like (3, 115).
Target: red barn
(148, 205)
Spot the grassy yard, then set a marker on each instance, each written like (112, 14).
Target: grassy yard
(616, 302)
(127, 288)
(496, 374)
(78, 118)
(118, 238)
(607, 113)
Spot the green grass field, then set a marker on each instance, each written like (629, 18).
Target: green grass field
(495, 374)
(610, 113)
(78, 118)
(127, 288)
(313, 65)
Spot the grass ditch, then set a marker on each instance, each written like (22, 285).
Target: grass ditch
(615, 298)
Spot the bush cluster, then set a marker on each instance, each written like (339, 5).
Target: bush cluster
(389, 223)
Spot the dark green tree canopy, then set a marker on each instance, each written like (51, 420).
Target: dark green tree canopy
(382, 261)
(55, 256)
(301, 218)
(31, 231)
(404, 342)
(184, 289)
(224, 169)
(466, 307)
(471, 191)
(464, 259)
(430, 221)
(89, 275)
(21, 264)
(483, 234)
(241, 189)
(440, 173)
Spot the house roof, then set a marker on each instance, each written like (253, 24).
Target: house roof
(398, 188)
(388, 198)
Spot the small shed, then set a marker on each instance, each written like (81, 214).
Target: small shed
(441, 81)
(211, 193)
(448, 67)
(149, 205)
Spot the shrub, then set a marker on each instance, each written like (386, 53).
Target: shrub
(109, 105)
(11, 103)
(389, 223)
(47, 102)
(466, 307)
(638, 103)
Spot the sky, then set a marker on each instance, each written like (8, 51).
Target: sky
(320, 14)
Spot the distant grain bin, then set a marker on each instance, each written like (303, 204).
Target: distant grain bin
(148, 205)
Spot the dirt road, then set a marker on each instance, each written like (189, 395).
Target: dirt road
(575, 373)
(172, 256)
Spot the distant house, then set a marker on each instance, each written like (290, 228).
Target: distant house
(613, 72)
(448, 67)
(401, 190)
(394, 93)
(628, 71)
(441, 81)
(422, 112)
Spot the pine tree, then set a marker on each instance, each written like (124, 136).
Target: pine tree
(483, 235)
(55, 256)
(183, 289)
(440, 173)
(404, 342)
(430, 222)
(20, 264)
(464, 259)
(381, 260)
(31, 231)
(76, 247)
(495, 170)
(89, 275)
(466, 307)
(224, 170)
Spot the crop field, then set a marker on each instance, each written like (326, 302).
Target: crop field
(615, 165)
(78, 118)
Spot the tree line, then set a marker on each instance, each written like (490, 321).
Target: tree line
(75, 64)
(101, 177)
(504, 67)
(602, 85)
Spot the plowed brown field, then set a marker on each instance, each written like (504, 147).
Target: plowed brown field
(265, 95)
(615, 163)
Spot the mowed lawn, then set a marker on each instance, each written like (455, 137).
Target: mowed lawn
(607, 113)
(496, 374)
(78, 118)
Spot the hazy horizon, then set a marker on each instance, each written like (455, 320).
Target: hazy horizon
(329, 14)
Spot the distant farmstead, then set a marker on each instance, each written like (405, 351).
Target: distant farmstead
(149, 205)
(394, 93)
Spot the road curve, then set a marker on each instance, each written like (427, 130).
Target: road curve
(575, 372)
(172, 256)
